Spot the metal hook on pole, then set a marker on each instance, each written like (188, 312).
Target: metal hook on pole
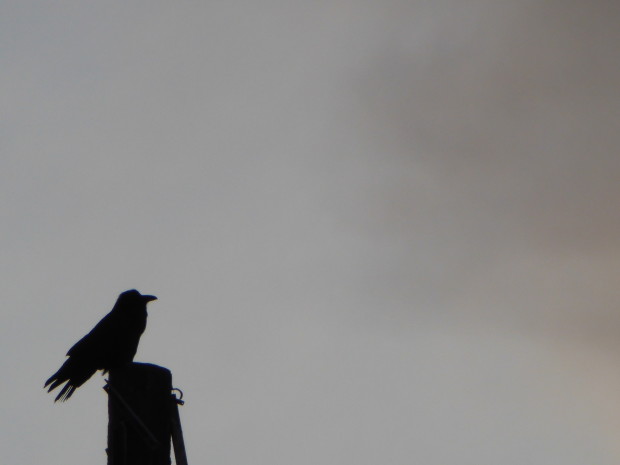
(178, 443)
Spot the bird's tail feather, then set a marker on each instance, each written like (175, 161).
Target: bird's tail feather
(74, 373)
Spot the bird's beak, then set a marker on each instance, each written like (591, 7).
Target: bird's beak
(148, 298)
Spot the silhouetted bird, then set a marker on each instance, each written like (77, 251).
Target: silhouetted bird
(113, 342)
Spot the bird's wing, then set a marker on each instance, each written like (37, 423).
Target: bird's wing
(97, 339)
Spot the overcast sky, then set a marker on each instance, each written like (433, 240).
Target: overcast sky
(380, 232)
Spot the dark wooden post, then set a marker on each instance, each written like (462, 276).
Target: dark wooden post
(139, 428)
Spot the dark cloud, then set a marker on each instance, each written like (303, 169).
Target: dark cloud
(499, 139)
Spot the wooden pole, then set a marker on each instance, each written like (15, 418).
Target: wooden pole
(139, 427)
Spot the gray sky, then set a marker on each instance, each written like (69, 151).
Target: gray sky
(380, 232)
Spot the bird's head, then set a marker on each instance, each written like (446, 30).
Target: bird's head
(134, 297)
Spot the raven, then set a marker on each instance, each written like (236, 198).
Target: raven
(111, 343)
